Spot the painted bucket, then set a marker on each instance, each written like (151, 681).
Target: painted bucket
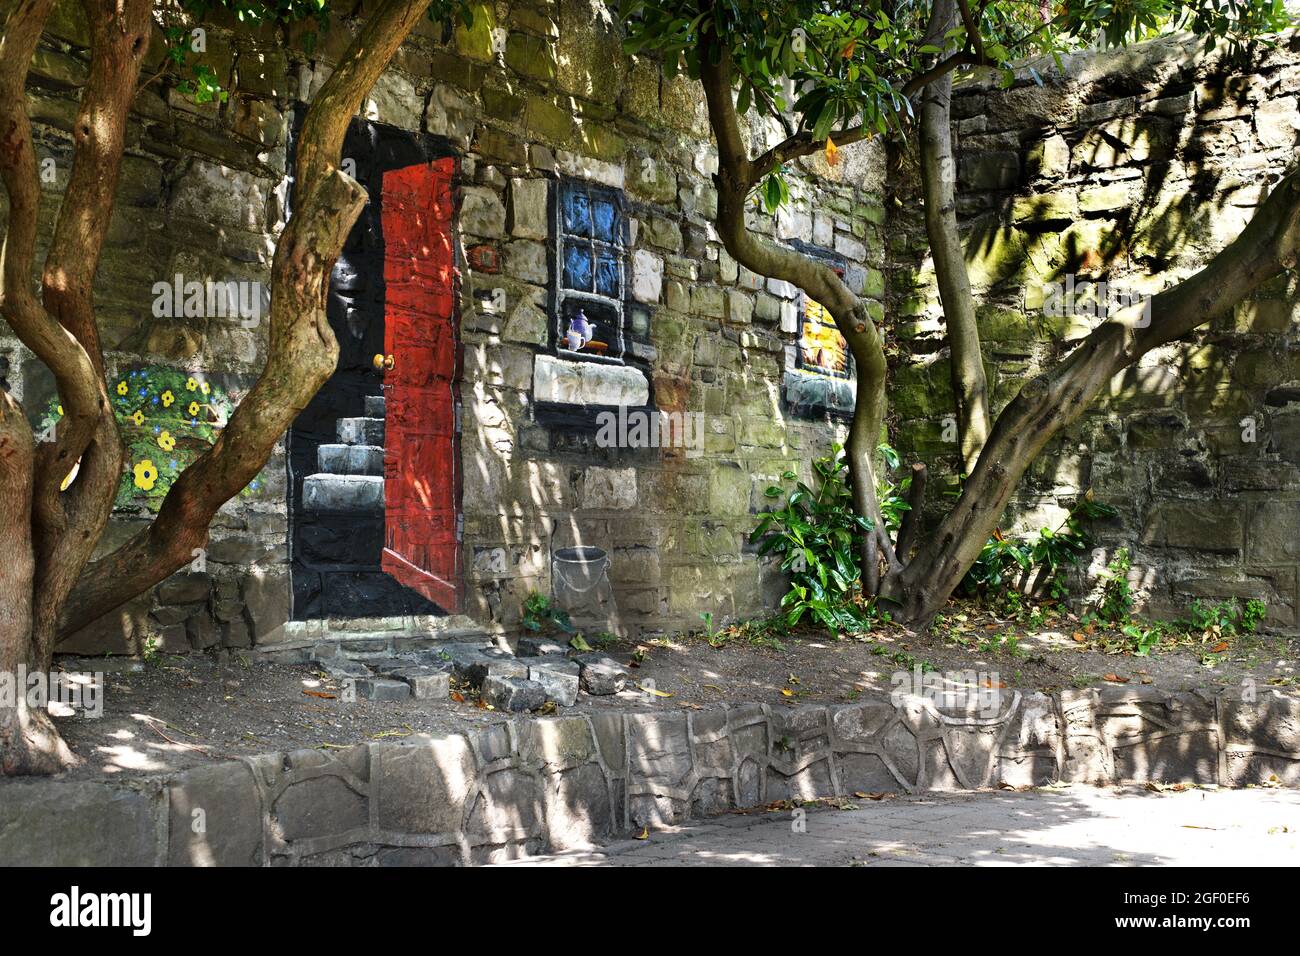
(580, 585)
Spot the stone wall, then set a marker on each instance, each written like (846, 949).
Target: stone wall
(1133, 167)
(534, 92)
(547, 784)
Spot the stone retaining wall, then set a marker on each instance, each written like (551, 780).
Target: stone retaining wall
(552, 783)
(535, 93)
(1133, 167)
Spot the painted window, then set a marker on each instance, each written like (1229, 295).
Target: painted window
(590, 273)
(821, 347)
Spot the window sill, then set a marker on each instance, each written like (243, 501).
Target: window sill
(809, 393)
(565, 382)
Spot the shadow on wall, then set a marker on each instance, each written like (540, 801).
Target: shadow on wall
(1135, 178)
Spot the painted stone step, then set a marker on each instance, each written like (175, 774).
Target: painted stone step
(348, 494)
(361, 431)
(375, 406)
(350, 459)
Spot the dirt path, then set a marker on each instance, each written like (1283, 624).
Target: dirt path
(174, 712)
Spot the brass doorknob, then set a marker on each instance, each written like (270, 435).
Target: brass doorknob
(382, 362)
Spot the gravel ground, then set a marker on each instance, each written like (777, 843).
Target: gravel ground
(173, 712)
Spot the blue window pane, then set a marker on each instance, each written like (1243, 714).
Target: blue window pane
(577, 213)
(605, 220)
(577, 267)
(607, 275)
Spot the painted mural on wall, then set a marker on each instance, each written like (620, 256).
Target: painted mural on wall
(373, 488)
(167, 418)
(590, 296)
(823, 348)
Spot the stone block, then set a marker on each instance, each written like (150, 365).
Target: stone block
(215, 817)
(1273, 535)
(609, 488)
(477, 667)
(992, 170)
(325, 805)
(601, 676)
(588, 383)
(77, 824)
(647, 276)
(422, 786)
(341, 668)
(513, 694)
(426, 683)
(482, 213)
(527, 212)
(533, 646)
(382, 689)
(558, 685)
(531, 56)
(1204, 526)
(1277, 123)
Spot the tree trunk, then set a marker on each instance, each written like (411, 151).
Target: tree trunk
(29, 744)
(1055, 398)
(736, 177)
(938, 183)
(47, 589)
(303, 352)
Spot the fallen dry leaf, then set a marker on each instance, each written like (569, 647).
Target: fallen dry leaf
(1114, 678)
(1219, 647)
(318, 693)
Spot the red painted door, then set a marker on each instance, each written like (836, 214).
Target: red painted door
(421, 460)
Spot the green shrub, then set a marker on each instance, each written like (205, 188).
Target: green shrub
(542, 617)
(1115, 603)
(1051, 551)
(817, 536)
(1227, 617)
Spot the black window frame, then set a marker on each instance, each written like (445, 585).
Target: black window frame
(560, 295)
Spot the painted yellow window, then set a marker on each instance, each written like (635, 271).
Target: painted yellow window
(822, 348)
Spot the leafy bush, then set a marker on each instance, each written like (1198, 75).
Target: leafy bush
(1226, 617)
(1052, 551)
(1115, 604)
(542, 617)
(893, 497)
(816, 536)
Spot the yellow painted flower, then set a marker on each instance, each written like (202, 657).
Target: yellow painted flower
(166, 442)
(138, 417)
(194, 409)
(168, 398)
(145, 475)
(122, 388)
(205, 388)
(191, 384)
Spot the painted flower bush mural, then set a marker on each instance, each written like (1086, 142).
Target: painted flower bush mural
(168, 417)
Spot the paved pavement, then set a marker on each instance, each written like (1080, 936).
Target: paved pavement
(1075, 825)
